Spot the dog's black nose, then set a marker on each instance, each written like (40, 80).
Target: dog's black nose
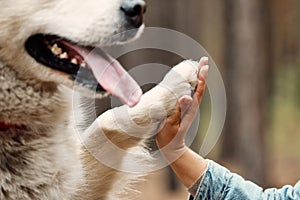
(134, 10)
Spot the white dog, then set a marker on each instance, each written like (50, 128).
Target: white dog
(43, 44)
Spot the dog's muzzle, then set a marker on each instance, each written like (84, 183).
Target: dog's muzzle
(134, 11)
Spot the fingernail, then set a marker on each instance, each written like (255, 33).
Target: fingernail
(204, 71)
(204, 59)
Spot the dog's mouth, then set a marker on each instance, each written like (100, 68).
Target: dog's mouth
(86, 65)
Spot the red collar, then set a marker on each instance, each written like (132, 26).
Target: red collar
(6, 126)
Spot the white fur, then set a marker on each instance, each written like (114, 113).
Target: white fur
(46, 161)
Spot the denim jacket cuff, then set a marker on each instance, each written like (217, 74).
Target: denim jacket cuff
(193, 189)
(214, 182)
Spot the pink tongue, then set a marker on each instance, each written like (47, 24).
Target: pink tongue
(111, 75)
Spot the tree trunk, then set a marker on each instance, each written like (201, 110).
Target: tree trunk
(247, 61)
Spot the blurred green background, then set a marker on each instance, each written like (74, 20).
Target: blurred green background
(256, 46)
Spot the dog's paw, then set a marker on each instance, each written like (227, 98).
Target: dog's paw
(182, 79)
(160, 101)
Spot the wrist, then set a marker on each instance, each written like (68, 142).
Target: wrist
(171, 153)
(189, 167)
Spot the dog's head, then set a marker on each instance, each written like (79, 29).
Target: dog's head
(51, 40)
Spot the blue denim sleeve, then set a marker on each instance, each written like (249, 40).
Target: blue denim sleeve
(219, 183)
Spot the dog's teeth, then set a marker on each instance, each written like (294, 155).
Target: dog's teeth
(64, 55)
(56, 50)
(83, 64)
(74, 61)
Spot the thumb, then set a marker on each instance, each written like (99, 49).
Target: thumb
(185, 103)
(182, 107)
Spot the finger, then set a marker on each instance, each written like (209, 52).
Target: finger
(203, 61)
(203, 74)
(199, 91)
(200, 88)
(182, 106)
(185, 103)
(174, 118)
(189, 117)
(191, 113)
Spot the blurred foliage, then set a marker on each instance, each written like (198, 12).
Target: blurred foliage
(205, 22)
(283, 137)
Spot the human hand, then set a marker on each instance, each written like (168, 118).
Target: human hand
(171, 138)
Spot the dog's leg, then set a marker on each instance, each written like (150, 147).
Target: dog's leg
(119, 129)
